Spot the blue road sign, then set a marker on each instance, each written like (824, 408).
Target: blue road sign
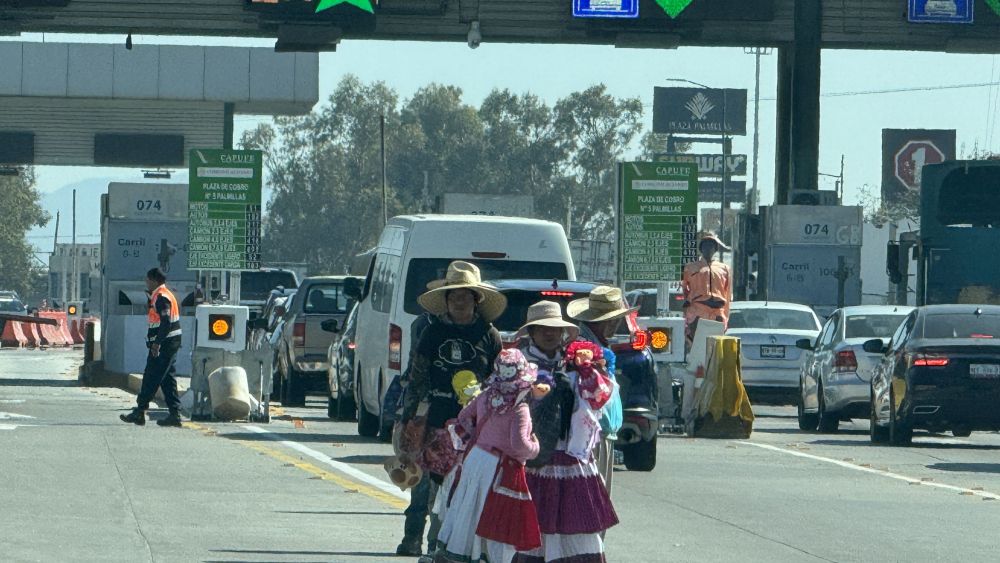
(941, 11)
(605, 8)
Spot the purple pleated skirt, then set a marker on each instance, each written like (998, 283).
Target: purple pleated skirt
(570, 496)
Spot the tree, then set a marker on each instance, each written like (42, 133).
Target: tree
(600, 128)
(21, 210)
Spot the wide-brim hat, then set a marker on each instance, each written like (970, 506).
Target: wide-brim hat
(709, 235)
(463, 275)
(403, 475)
(603, 304)
(548, 313)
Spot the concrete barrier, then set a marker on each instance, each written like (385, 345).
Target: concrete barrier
(55, 335)
(13, 335)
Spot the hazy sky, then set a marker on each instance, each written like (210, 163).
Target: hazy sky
(851, 125)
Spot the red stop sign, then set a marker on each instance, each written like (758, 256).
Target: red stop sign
(911, 159)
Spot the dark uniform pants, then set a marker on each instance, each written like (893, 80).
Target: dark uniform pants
(161, 374)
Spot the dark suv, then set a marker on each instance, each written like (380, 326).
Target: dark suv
(635, 371)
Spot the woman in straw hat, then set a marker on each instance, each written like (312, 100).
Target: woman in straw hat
(462, 340)
(600, 314)
(573, 506)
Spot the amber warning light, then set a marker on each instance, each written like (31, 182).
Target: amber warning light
(221, 327)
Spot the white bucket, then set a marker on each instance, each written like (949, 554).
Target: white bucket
(230, 393)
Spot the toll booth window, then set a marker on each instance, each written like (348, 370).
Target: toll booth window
(970, 198)
(326, 299)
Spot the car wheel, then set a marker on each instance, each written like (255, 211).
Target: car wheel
(640, 456)
(293, 390)
(807, 421)
(899, 433)
(828, 421)
(878, 434)
(276, 380)
(346, 407)
(368, 423)
(331, 407)
(961, 432)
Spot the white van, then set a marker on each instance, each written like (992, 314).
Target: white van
(416, 249)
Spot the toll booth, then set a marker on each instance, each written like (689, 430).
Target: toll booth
(806, 251)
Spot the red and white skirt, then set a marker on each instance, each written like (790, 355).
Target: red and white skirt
(509, 516)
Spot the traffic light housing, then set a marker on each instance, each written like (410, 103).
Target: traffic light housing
(221, 327)
(74, 310)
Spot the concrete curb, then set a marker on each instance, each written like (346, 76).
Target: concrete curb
(93, 374)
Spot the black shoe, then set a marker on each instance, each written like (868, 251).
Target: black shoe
(136, 417)
(173, 419)
(409, 547)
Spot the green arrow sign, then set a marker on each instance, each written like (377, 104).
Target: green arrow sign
(673, 8)
(365, 5)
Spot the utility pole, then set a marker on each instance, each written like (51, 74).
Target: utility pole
(385, 195)
(62, 276)
(754, 196)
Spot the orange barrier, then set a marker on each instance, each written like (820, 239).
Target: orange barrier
(13, 336)
(77, 328)
(55, 335)
(31, 334)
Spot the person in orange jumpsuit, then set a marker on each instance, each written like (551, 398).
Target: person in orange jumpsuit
(707, 284)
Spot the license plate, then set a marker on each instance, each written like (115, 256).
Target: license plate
(991, 371)
(774, 352)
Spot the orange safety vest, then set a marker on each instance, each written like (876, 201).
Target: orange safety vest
(154, 315)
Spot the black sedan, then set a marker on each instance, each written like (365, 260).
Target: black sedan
(940, 372)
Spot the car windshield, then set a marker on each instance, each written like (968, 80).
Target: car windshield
(967, 325)
(256, 286)
(424, 270)
(772, 318)
(11, 306)
(518, 302)
(872, 326)
(326, 299)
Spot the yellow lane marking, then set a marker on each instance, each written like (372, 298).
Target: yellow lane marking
(343, 482)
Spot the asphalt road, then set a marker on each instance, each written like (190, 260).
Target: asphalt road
(80, 485)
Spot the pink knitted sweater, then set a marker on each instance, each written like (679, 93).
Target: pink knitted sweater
(509, 433)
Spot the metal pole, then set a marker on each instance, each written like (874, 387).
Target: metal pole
(725, 171)
(385, 196)
(61, 290)
(841, 281)
(754, 194)
(75, 287)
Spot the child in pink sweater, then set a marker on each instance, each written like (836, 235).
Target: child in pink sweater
(490, 515)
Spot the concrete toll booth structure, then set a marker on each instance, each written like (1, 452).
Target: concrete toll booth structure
(85, 104)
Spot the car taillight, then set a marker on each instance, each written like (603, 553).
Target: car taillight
(558, 293)
(395, 347)
(922, 360)
(351, 346)
(845, 360)
(299, 334)
(640, 339)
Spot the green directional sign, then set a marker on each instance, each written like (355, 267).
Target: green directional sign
(658, 220)
(673, 8)
(224, 197)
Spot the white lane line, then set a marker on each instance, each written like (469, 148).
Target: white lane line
(342, 467)
(11, 416)
(11, 401)
(889, 474)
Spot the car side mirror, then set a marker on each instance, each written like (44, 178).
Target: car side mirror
(804, 344)
(875, 346)
(330, 325)
(352, 288)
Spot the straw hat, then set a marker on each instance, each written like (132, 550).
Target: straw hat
(604, 303)
(709, 235)
(403, 475)
(548, 313)
(463, 275)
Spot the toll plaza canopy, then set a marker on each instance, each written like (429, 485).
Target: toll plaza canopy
(858, 24)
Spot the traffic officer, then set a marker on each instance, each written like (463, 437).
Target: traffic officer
(163, 339)
(707, 284)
